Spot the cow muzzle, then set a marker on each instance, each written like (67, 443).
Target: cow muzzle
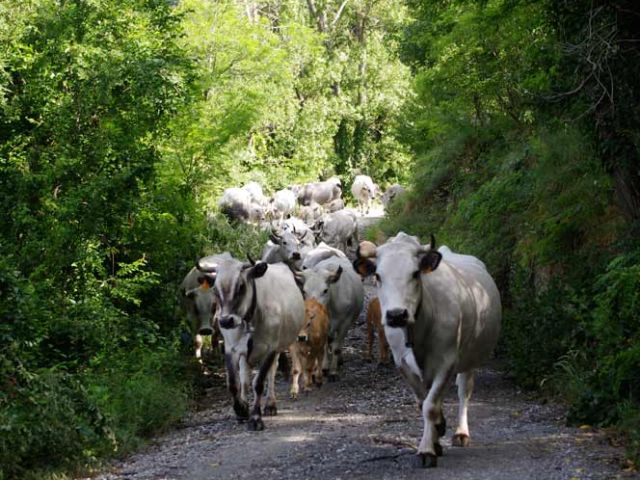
(397, 317)
(205, 330)
(303, 338)
(227, 322)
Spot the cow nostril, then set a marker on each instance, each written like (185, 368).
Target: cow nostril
(295, 256)
(397, 317)
(226, 322)
(206, 331)
(302, 338)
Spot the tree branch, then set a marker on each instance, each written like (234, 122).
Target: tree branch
(339, 13)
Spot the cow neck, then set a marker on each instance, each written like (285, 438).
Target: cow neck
(248, 316)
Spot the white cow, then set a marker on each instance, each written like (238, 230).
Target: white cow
(282, 246)
(338, 229)
(334, 284)
(364, 191)
(441, 313)
(238, 204)
(319, 253)
(391, 193)
(320, 192)
(299, 228)
(310, 213)
(282, 204)
(260, 312)
(256, 193)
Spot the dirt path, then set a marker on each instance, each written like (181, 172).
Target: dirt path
(366, 426)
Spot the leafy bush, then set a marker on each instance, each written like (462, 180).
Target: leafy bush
(604, 385)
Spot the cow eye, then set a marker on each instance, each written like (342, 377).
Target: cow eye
(416, 274)
(378, 278)
(326, 290)
(241, 289)
(284, 243)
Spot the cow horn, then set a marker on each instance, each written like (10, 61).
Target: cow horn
(367, 249)
(430, 247)
(304, 234)
(251, 260)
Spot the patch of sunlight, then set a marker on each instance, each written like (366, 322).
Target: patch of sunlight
(297, 438)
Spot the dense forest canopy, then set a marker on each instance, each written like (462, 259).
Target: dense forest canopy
(515, 123)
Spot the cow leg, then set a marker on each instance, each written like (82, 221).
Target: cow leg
(335, 349)
(240, 405)
(465, 388)
(383, 346)
(296, 368)
(255, 422)
(197, 343)
(326, 357)
(369, 356)
(405, 361)
(431, 412)
(245, 378)
(309, 367)
(333, 361)
(270, 408)
(316, 365)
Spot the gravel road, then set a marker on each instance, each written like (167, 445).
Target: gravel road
(366, 426)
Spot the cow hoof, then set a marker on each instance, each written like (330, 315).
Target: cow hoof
(441, 428)
(270, 411)
(438, 449)
(255, 424)
(428, 460)
(460, 440)
(241, 409)
(293, 396)
(332, 377)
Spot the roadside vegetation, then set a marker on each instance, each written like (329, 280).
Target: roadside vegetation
(515, 123)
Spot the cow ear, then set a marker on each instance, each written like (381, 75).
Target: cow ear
(206, 281)
(259, 269)
(430, 261)
(364, 267)
(334, 277)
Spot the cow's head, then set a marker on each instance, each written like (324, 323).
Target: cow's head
(202, 305)
(288, 243)
(398, 268)
(316, 282)
(235, 290)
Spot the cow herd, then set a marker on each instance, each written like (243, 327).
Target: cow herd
(436, 311)
(309, 201)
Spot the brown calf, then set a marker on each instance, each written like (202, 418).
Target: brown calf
(374, 321)
(308, 351)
